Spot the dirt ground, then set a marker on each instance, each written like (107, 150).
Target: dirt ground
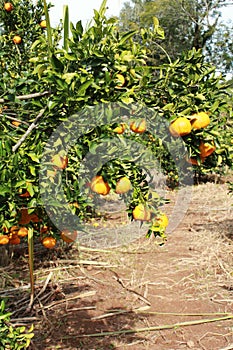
(142, 296)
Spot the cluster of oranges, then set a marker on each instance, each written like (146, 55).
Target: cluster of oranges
(14, 235)
(183, 126)
(138, 127)
(141, 212)
(98, 185)
(8, 7)
(123, 185)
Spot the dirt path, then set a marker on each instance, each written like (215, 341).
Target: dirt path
(179, 288)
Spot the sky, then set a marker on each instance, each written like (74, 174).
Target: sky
(83, 10)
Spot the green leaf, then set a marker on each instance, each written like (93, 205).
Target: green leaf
(33, 157)
(30, 189)
(82, 89)
(102, 9)
(65, 27)
(127, 36)
(56, 63)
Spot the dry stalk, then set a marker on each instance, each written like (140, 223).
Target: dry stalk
(154, 328)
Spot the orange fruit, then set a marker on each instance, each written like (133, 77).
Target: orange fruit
(68, 237)
(74, 204)
(44, 229)
(161, 221)
(180, 127)
(194, 161)
(199, 120)
(120, 80)
(138, 127)
(4, 239)
(43, 24)
(98, 185)
(15, 123)
(26, 218)
(23, 232)
(206, 149)
(14, 229)
(120, 129)
(59, 161)
(25, 194)
(14, 240)
(140, 212)
(17, 39)
(49, 242)
(123, 185)
(8, 6)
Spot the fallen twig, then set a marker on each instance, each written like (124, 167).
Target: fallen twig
(79, 296)
(45, 286)
(140, 296)
(154, 328)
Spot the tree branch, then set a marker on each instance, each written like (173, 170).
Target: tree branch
(29, 96)
(12, 118)
(29, 130)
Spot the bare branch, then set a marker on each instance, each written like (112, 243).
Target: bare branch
(29, 96)
(15, 119)
(29, 130)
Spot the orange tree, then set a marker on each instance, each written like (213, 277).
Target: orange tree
(94, 100)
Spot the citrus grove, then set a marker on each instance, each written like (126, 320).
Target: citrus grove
(43, 83)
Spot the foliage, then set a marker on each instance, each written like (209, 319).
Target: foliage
(11, 337)
(186, 24)
(102, 77)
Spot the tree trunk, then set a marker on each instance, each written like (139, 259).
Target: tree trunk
(4, 256)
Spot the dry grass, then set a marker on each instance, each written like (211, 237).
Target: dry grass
(196, 264)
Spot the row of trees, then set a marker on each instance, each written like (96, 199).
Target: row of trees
(186, 24)
(105, 77)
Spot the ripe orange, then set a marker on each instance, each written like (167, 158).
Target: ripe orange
(200, 120)
(123, 185)
(17, 39)
(4, 239)
(194, 161)
(25, 194)
(14, 229)
(138, 127)
(99, 186)
(23, 232)
(44, 229)
(15, 123)
(206, 149)
(161, 221)
(43, 24)
(120, 80)
(49, 242)
(59, 161)
(8, 6)
(27, 218)
(140, 212)
(120, 129)
(68, 237)
(180, 127)
(14, 240)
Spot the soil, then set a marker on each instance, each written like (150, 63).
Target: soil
(145, 295)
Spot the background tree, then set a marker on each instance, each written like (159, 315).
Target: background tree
(186, 24)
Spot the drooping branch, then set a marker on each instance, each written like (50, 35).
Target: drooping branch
(29, 130)
(29, 96)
